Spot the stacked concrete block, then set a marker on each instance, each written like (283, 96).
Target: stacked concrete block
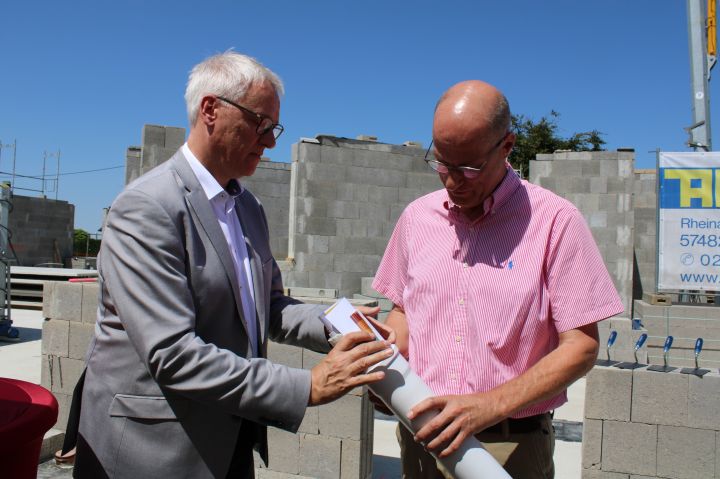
(271, 186)
(600, 185)
(685, 323)
(640, 423)
(42, 231)
(70, 313)
(645, 210)
(623, 349)
(159, 143)
(346, 196)
(367, 293)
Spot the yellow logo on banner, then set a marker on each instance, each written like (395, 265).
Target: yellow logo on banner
(696, 183)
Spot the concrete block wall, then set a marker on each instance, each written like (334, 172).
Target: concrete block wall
(645, 240)
(640, 423)
(271, 185)
(159, 143)
(42, 230)
(685, 323)
(70, 311)
(346, 196)
(600, 185)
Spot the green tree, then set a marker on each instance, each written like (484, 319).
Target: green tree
(542, 137)
(84, 244)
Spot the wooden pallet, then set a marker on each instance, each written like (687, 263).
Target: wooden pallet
(657, 299)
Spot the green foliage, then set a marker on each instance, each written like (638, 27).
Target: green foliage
(542, 137)
(84, 244)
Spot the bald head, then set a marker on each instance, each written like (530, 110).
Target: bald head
(470, 111)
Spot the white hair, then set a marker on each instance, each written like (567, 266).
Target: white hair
(229, 74)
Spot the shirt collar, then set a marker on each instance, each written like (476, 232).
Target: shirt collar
(208, 182)
(497, 198)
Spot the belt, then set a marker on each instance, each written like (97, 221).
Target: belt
(517, 426)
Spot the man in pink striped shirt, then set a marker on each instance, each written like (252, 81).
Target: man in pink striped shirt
(497, 286)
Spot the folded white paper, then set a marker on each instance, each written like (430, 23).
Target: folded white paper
(401, 389)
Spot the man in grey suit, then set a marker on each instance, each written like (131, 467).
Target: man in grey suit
(177, 384)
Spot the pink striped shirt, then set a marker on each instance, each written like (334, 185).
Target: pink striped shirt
(486, 301)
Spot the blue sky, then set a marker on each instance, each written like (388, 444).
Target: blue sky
(83, 77)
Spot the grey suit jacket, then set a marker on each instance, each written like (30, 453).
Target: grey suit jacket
(170, 373)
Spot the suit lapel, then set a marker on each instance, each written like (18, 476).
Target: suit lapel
(198, 202)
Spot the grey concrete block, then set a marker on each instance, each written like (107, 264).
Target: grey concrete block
(310, 423)
(65, 374)
(283, 451)
(311, 358)
(270, 474)
(62, 300)
(608, 393)
(595, 474)
(64, 401)
(629, 448)
(353, 465)
(313, 292)
(90, 299)
(592, 444)
(685, 453)
(659, 398)
(174, 137)
(320, 456)
(285, 354)
(703, 403)
(153, 135)
(55, 337)
(79, 339)
(342, 418)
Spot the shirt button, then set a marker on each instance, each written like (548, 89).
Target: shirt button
(465, 265)
(452, 376)
(458, 339)
(462, 301)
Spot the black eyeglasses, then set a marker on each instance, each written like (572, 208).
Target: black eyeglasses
(265, 124)
(468, 172)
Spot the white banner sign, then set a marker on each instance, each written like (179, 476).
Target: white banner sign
(689, 221)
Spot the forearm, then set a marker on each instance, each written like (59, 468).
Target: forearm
(573, 357)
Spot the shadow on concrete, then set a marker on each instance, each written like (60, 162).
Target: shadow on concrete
(386, 467)
(26, 335)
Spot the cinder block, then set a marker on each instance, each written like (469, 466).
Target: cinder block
(55, 337)
(320, 456)
(285, 354)
(64, 401)
(596, 474)
(269, 474)
(46, 367)
(591, 444)
(353, 462)
(90, 297)
(629, 447)
(153, 135)
(659, 398)
(79, 339)
(685, 453)
(311, 358)
(65, 301)
(65, 374)
(49, 305)
(312, 292)
(342, 418)
(608, 393)
(703, 403)
(283, 451)
(310, 422)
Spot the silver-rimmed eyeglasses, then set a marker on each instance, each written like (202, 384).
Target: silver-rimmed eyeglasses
(264, 124)
(468, 172)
